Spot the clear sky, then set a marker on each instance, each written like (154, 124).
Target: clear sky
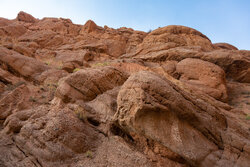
(221, 20)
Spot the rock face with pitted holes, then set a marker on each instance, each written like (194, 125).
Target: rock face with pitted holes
(86, 95)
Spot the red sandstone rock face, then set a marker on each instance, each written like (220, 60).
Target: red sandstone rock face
(153, 107)
(225, 46)
(173, 36)
(85, 85)
(83, 94)
(14, 30)
(203, 76)
(26, 67)
(90, 26)
(25, 17)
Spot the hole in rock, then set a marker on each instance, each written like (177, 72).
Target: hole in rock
(119, 132)
(92, 121)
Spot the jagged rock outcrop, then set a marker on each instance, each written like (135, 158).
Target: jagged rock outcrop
(21, 65)
(173, 36)
(22, 16)
(87, 84)
(234, 63)
(85, 95)
(90, 26)
(153, 107)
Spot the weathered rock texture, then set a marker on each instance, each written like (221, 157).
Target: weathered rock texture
(85, 95)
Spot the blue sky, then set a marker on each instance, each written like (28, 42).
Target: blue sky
(221, 20)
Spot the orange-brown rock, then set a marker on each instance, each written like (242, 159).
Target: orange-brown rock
(129, 67)
(238, 95)
(87, 84)
(203, 76)
(27, 67)
(4, 22)
(173, 36)
(8, 78)
(61, 26)
(228, 60)
(84, 95)
(14, 101)
(90, 26)
(77, 142)
(225, 46)
(43, 38)
(153, 107)
(23, 49)
(13, 30)
(22, 16)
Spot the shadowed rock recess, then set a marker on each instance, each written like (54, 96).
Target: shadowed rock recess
(89, 96)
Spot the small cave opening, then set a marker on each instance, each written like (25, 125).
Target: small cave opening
(116, 130)
(93, 121)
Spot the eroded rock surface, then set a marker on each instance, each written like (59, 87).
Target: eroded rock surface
(86, 95)
(151, 106)
(204, 76)
(87, 84)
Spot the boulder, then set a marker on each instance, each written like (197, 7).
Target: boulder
(235, 63)
(225, 46)
(173, 36)
(50, 136)
(151, 106)
(25, 17)
(203, 76)
(27, 67)
(90, 26)
(87, 84)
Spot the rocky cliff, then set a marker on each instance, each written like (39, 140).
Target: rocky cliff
(88, 96)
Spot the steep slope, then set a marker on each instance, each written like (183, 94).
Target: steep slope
(85, 95)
